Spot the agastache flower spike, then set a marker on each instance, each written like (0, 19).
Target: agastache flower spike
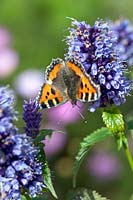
(19, 168)
(7, 113)
(32, 118)
(124, 33)
(95, 47)
(19, 163)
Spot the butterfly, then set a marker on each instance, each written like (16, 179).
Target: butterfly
(66, 81)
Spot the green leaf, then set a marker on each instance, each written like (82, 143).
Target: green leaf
(43, 197)
(131, 198)
(42, 158)
(23, 197)
(86, 144)
(42, 135)
(113, 119)
(84, 194)
(129, 120)
(48, 180)
(130, 124)
(46, 170)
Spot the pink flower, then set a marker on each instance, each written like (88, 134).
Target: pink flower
(65, 113)
(28, 83)
(55, 143)
(8, 62)
(5, 38)
(103, 166)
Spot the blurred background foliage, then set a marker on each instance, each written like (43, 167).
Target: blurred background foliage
(38, 28)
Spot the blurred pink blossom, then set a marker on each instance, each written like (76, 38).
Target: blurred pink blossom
(8, 58)
(5, 38)
(28, 83)
(65, 113)
(8, 62)
(103, 166)
(55, 143)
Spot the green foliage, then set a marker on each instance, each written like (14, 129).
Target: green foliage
(113, 119)
(46, 171)
(86, 144)
(130, 124)
(48, 181)
(42, 158)
(131, 198)
(42, 135)
(84, 194)
(129, 120)
(43, 197)
(23, 197)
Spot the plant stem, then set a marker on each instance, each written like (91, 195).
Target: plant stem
(129, 157)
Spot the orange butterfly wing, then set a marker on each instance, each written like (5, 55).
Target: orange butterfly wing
(87, 90)
(50, 94)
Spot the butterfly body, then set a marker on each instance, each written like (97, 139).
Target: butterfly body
(71, 82)
(67, 81)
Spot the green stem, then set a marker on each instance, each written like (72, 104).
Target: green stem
(123, 142)
(127, 151)
(129, 157)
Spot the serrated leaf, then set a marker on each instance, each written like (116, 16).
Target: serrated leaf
(42, 134)
(46, 170)
(48, 180)
(84, 194)
(113, 119)
(86, 144)
(42, 158)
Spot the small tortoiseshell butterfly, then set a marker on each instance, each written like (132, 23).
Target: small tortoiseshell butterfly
(67, 81)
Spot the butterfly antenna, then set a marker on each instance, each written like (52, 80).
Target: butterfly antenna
(81, 114)
(68, 110)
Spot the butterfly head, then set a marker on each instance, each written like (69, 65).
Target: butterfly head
(74, 102)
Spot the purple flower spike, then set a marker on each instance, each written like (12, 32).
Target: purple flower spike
(95, 47)
(32, 118)
(19, 163)
(7, 113)
(19, 168)
(124, 33)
